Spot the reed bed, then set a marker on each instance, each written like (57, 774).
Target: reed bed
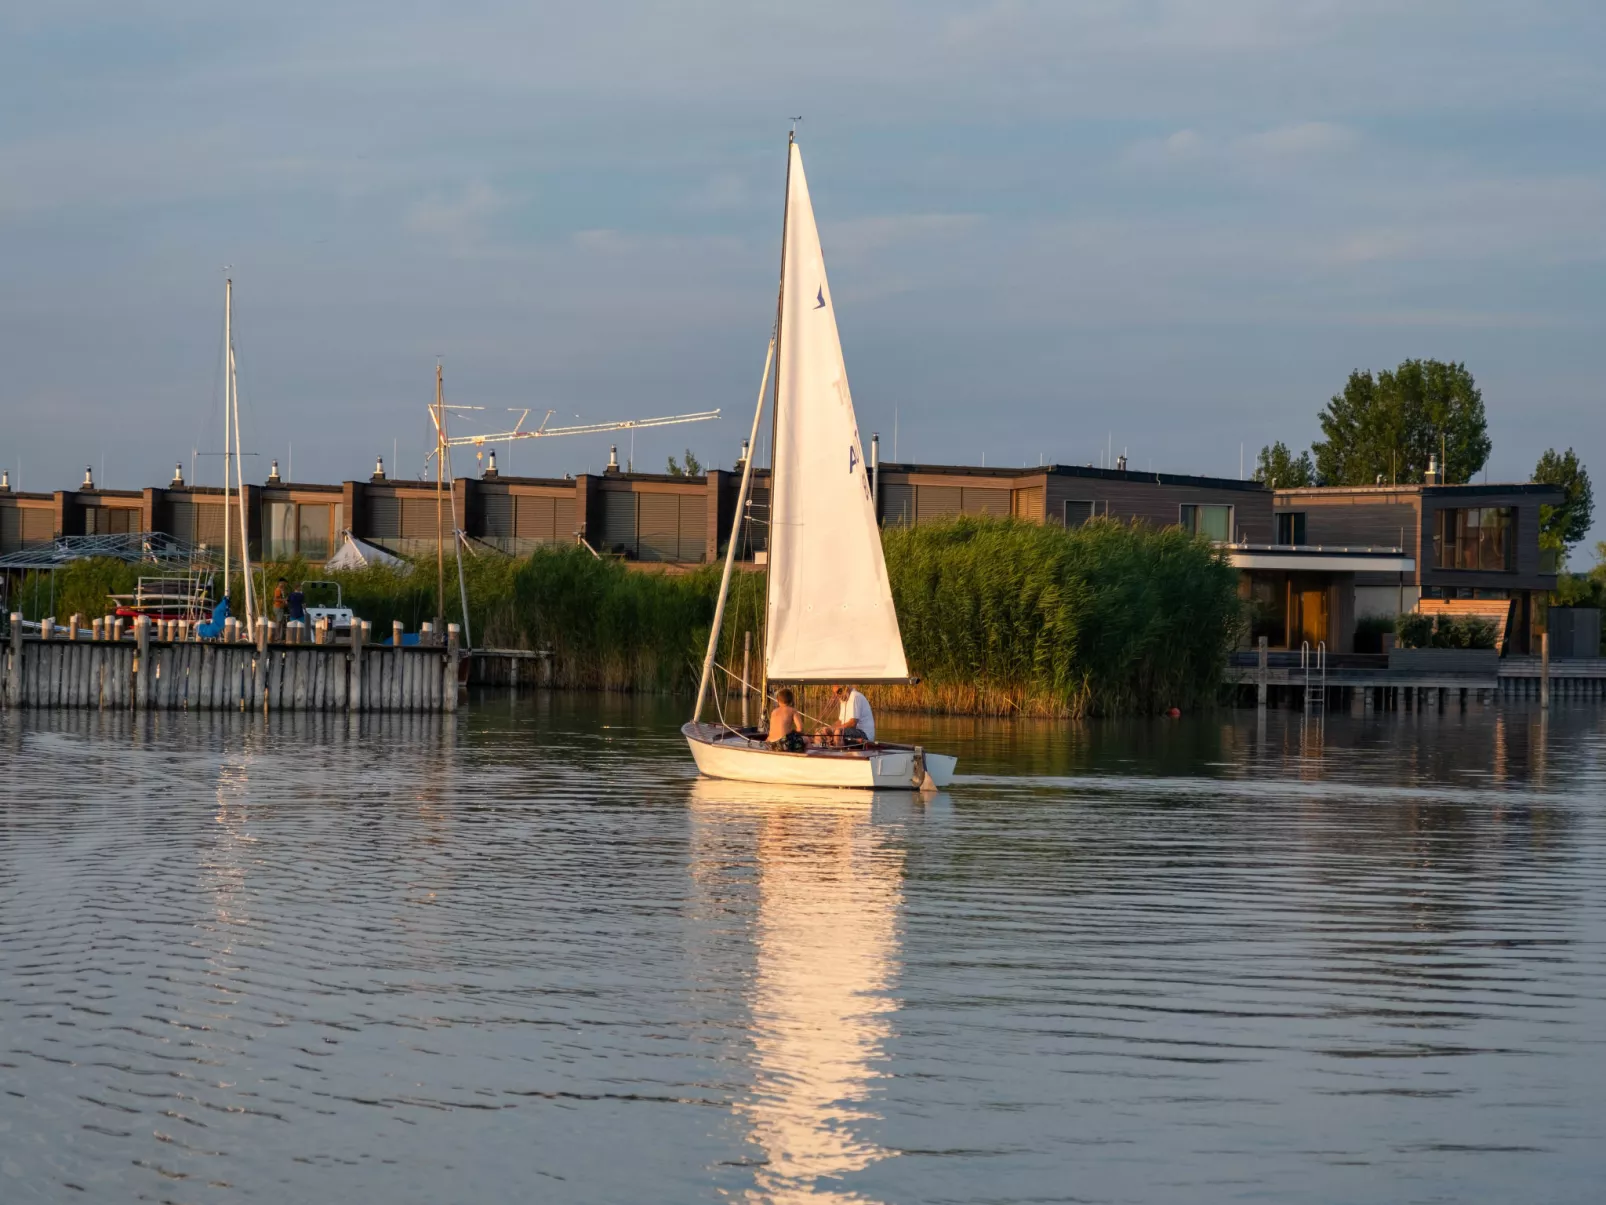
(998, 617)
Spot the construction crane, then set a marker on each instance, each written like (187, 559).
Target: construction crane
(442, 456)
(544, 432)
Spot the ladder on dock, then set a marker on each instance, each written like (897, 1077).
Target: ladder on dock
(1318, 662)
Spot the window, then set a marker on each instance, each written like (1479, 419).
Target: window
(1079, 511)
(1291, 527)
(1475, 537)
(296, 529)
(110, 520)
(1214, 523)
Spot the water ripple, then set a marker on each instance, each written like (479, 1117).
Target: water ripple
(524, 953)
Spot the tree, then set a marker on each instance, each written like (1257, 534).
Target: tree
(1389, 426)
(1560, 527)
(1278, 468)
(693, 467)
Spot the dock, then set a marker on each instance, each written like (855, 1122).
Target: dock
(1366, 682)
(154, 667)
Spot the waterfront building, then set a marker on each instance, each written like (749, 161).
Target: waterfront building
(1314, 562)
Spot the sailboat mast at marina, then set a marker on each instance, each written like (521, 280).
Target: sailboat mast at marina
(829, 610)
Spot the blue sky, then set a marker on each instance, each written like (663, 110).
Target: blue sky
(1173, 225)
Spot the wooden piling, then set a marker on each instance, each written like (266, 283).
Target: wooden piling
(14, 664)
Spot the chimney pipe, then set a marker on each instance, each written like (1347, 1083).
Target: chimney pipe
(273, 474)
(89, 479)
(613, 457)
(490, 466)
(1431, 477)
(379, 468)
(178, 476)
(5, 481)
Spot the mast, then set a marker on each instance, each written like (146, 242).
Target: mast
(228, 374)
(775, 415)
(730, 549)
(440, 512)
(239, 481)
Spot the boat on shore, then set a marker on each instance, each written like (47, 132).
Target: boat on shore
(829, 614)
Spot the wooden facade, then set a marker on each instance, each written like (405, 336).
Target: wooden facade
(645, 517)
(1430, 523)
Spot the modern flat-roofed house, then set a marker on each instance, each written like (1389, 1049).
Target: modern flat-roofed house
(1221, 509)
(1464, 542)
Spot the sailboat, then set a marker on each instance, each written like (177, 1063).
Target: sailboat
(830, 616)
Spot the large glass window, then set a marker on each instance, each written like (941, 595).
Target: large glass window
(1291, 527)
(1475, 537)
(299, 529)
(279, 527)
(1214, 523)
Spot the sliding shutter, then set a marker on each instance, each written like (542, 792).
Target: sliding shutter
(659, 530)
(693, 527)
(498, 509)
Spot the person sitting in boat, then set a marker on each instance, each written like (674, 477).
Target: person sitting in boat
(855, 725)
(786, 725)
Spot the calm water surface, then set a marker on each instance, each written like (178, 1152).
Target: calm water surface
(524, 955)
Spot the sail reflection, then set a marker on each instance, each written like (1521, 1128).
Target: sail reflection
(825, 946)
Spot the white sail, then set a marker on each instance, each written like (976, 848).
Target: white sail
(830, 608)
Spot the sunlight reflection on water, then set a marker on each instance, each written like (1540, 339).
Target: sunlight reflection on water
(525, 953)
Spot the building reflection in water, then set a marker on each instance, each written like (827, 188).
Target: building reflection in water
(827, 889)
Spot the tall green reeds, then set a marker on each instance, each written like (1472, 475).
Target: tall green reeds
(998, 617)
(1002, 617)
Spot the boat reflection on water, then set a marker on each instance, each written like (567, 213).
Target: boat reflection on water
(827, 890)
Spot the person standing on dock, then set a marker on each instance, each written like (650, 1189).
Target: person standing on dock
(281, 600)
(298, 604)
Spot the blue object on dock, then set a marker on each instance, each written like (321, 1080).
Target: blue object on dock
(409, 640)
(213, 628)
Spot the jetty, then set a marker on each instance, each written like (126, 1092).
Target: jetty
(162, 666)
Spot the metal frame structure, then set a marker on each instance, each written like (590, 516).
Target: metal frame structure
(138, 547)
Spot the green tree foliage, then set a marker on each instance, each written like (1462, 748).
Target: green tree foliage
(691, 468)
(1389, 426)
(1561, 527)
(1280, 468)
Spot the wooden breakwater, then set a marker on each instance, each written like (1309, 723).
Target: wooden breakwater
(136, 672)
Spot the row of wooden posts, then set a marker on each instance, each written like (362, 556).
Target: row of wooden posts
(159, 665)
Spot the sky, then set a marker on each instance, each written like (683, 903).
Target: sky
(1165, 227)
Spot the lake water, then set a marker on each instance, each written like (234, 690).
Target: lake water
(523, 954)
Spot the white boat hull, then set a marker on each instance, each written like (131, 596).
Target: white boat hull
(721, 753)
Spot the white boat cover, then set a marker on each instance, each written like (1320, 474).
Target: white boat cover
(831, 617)
(355, 554)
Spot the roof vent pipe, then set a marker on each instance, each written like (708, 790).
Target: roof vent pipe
(490, 465)
(613, 457)
(5, 481)
(1431, 477)
(273, 474)
(178, 475)
(89, 479)
(379, 468)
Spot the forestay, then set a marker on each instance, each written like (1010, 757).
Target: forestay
(830, 608)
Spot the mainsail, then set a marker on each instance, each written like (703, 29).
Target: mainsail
(830, 609)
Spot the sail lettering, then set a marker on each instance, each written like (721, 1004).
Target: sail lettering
(853, 459)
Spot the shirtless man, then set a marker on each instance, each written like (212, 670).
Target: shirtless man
(786, 725)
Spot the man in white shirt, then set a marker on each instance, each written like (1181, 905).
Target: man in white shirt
(855, 725)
